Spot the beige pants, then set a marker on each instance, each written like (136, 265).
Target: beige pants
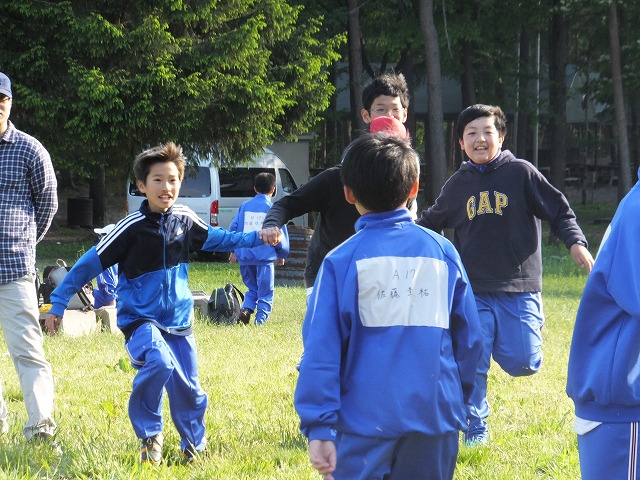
(23, 336)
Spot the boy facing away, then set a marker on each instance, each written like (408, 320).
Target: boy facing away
(151, 247)
(386, 96)
(257, 264)
(603, 375)
(494, 203)
(391, 336)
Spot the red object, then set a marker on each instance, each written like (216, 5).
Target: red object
(389, 125)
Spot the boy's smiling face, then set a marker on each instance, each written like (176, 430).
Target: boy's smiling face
(162, 186)
(481, 141)
(385, 106)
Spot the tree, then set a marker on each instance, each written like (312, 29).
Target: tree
(438, 173)
(98, 80)
(624, 182)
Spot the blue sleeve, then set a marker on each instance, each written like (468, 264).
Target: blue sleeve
(465, 327)
(282, 248)
(221, 240)
(85, 269)
(235, 223)
(317, 393)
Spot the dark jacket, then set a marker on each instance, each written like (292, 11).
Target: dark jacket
(495, 213)
(323, 194)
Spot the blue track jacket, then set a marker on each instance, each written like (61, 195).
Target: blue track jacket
(152, 253)
(604, 362)
(391, 337)
(249, 218)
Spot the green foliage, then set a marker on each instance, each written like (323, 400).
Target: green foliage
(98, 81)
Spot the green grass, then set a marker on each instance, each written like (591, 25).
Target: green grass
(249, 374)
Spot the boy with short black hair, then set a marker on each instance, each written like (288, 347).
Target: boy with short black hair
(494, 204)
(257, 264)
(151, 247)
(391, 337)
(387, 95)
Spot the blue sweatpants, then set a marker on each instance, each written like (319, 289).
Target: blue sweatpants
(511, 333)
(609, 451)
(259, 280)
(166, 361)
(412, 456)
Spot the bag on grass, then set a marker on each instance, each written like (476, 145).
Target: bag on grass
(224, 305)
(51, 278)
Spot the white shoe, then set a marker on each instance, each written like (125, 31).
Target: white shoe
(4, 426)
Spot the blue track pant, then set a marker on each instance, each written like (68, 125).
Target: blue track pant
(166, 361)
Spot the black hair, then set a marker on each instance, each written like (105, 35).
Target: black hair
(167, 153)
(469, 114)
(264, 182)
(380, 169)
(389, 84)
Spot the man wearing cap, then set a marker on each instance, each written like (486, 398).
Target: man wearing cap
(28, 202)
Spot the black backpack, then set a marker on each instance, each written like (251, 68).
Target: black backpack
(224, 305)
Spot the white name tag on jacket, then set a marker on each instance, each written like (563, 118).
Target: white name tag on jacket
(253, 221)
(403, 291)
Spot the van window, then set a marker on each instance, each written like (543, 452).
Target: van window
(288, 183)
(238, 182)
(195, 184)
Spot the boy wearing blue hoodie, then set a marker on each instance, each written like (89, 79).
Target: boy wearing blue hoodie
(391, 336)
(604, 363)
(151, 247)
(257, 264)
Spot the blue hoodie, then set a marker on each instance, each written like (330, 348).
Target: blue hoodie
(604, 363)
(391, 336)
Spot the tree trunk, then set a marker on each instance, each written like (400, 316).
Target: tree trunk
(97, 192)
(467, 85)
(437, 159)
(355, 67)
(624, 175)
(558, 47)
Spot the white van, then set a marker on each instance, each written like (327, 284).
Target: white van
(216, 194)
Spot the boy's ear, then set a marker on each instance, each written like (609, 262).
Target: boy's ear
(349, 196)
(366, 118)
(141, 186)
(414, 189)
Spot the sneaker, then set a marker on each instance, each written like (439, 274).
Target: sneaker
(4, 426)
(151, 450)
(480, 440)
(245, 315)
(46, 438)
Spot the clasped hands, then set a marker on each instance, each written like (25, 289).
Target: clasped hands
(271, 235)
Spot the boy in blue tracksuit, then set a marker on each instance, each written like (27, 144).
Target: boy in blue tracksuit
(604, 363)
(151, 247)
(391, 337)
(257, 264)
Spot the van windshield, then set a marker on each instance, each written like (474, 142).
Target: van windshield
(195, 184)
(238, 182)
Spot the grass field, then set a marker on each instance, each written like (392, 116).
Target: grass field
(249, 374)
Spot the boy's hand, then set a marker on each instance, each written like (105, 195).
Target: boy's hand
(322, 454)
(232, 257)
(582, 256)
(52, 323)
(279, 262)
(271, 235)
